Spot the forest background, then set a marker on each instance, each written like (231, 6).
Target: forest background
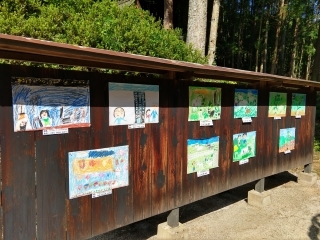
(270, 36)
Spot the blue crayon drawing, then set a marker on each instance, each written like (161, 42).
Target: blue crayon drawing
(37, 107)
(98, 170)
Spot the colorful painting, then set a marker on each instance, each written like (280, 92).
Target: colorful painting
(245, 103)
(277, 104)
(244, 146)
(50, 103)
(133, 104)
(298, 107)
(287, 139)
(98, 170)
(204, 103)
(203, 154)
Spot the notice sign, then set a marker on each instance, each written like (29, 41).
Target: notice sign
(277, 118)
(288, 151)
(298, 116)
(137, 125)
(203, 173)
(204, 123)
(246, 119)
(55, 131)
(102, 193)
(244, 161)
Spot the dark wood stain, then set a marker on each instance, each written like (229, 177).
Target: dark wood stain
(158, 179)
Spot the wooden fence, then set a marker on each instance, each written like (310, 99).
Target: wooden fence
(34, 168)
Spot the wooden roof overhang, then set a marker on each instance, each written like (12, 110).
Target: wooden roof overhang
(41, 51)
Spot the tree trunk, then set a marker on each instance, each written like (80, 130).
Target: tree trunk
(308, 67)
(316, 65)
(275, 50)
(168, 14)
(137, 3)
(258, 45)
(282, 51)
(263, 67)
(294, 49)
(197, 24)
(213, 31)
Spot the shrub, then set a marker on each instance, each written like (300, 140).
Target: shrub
(98, 24)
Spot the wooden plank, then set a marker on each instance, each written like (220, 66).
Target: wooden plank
(51, 194)
(175, 143)
(261, 131)
(18, 171)
(101, 137)
(158, 138)
(123, 197)
(50, 175)
(226, 141)
(2, 104)
(78, 209)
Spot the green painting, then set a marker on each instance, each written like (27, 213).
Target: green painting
(287, 139)
(204, 103)
(277, 104)
(244, 146)
(203, 154)
(298, 107)
(245, 103)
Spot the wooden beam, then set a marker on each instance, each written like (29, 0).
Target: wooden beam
(185, 75)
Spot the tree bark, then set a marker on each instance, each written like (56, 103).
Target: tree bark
(168, 14)
(197, 24)
(308, 67)
(258, 44)
(213, 32)
(316, 65)
(275, 50)
(294, 49)
(263, 67)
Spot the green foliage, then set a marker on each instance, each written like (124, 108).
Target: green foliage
(94, 23)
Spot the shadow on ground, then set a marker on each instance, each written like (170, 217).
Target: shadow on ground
(314, 230)
(147, 228)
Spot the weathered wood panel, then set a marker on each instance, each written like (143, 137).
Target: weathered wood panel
(18, 171)
(102, 207)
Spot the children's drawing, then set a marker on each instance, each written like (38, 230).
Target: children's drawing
(277, 104)
(133, 103)
(245, 103)
(287, 139)
(244, 146)
(298, 107)
(204, 103)
(98, 170)
(50, 103)
(203, 154)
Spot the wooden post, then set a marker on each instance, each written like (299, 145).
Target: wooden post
(307, 168)
(259, 187)
(173, 218)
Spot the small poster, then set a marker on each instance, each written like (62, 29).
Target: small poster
(245, 103)
(133, 104)
(244, 146)
(98, 170)
(287, 139)
(277, 104)
(298, 107)
(204, 103)
(40, 104)
(203, 154)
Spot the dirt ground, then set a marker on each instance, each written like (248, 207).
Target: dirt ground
(293, 214)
